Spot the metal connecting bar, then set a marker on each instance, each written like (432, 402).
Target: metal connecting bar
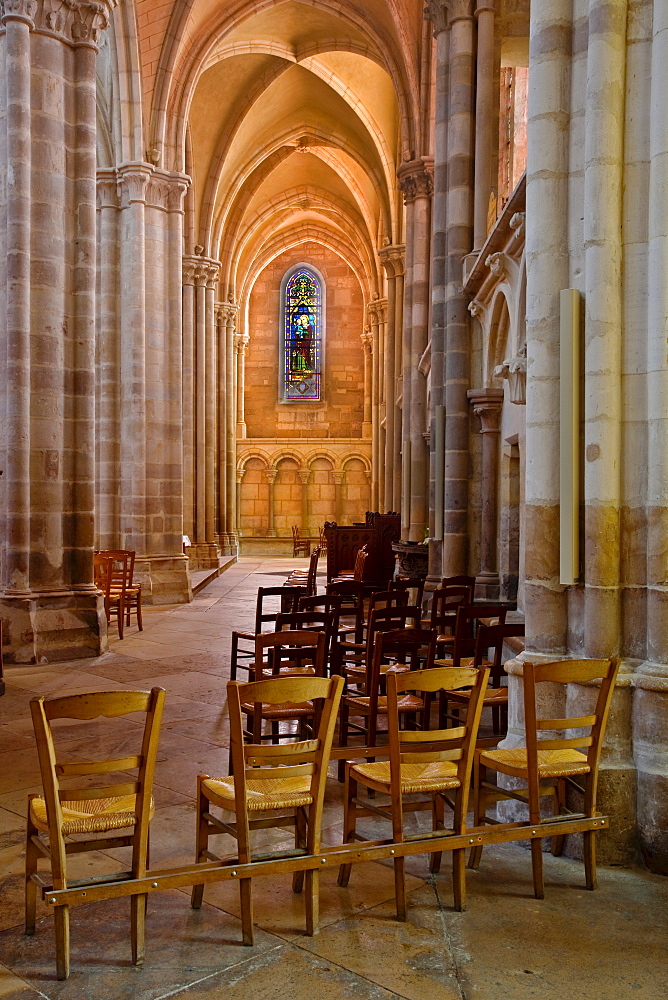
(230, 869)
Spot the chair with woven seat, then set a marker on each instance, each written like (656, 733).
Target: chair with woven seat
(491, 638)
(243, 655)
(443, 613)
(413, 585)
(114, 599)
(87, 810)
(300, 546)
(123, 569)
(357, 573)
(265, 778)
(352, 659)
(311, 621)
(306, 579)
(352, 607)
(430, 762)
(463, 649)
(549, 766)
(395, 649)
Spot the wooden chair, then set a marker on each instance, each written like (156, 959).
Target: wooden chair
(114, 599)
(123, 569)
(243, 656)
(463, 648)
(89, 809)
(310, 621)
(290, 778)
(491, 637)
(322, 540)
(352, 659)
(550, 766)
(300, 546)
(427, 762)
(460, 581)
(357, 574)
(2, 675)
(396, 649)
(445, 601)
(306, 579)
(352, 607)
(413, 585)
(275, 651)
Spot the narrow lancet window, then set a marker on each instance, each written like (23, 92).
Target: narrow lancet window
(302, 336)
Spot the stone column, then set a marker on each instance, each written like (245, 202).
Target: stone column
(270, 475)
(210, 423)
(392, 258)
(487, 404)
(377, 311)
(241, 345)
(456, 17)
(108, 365)
(547, 273)
(367, 348)
(221, 358)
(398, 381)
(50, 606)
(485, 115)
(188, 397)
(240, 478)
(200, 538)
(416, 182)
(231, 310)
(304, 476)
(339, 478)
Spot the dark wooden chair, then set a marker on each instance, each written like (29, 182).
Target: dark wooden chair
(114, 597)
(300, 546)
(243, 655)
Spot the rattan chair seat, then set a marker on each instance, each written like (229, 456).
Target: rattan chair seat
(492, 696)
(414, 777)
(409, 703)
(90, 815)
(551, 763)
(274, 793)
(286, 711)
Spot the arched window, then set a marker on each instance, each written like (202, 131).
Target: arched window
(302, 334)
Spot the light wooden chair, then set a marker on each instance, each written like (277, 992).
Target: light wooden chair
(428, 762)
(114, 598)
(122, 579)
(87, 810)
(243, 643)
(290, 778)
(549, 766)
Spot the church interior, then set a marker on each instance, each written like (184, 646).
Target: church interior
(278, 265)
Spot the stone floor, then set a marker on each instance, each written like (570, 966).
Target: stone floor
(574, 944)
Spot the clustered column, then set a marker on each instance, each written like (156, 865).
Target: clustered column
(393, 259)
(377, 318)
(416, 182)
(487, 404)
(50, 606)
(270, 475)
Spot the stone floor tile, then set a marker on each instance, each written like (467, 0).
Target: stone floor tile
(13, 988)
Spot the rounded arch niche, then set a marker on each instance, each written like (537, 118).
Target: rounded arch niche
(302, 334)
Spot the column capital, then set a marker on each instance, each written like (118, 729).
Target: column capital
(338, 475)
(133, 181)
(200, 271)
(487, 5)
(393, 259)
(270, 475)
(487, 404)
(304, 476)
(241, 342)
(367, 341)
(416, 179)
(107, 189)
(377, 311)
(443, 13)
(77, 22)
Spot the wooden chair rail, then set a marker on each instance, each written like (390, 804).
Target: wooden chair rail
(122, 884)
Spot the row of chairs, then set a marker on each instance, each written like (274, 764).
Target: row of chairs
(114, 576)
(280, 785)
(302, 545)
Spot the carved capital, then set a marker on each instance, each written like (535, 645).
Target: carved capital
(201, 271)
(339, 477)
(77, 22)
(443, 13)
(18, 10)
(166, 190)
(107, 189)
(393, 259)
(241, 344)
(377, 310)
(304, 476)
(416, 180)
(133, 183)
(487, 404)
(270, 475)
(367, 342)
(515, 371)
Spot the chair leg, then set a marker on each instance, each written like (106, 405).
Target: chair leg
(589, 852)
(138, 928)
(246, 897)
(479, 806)
(32, 855)
(139, 618)
(459, 879)
(300, 841)
(349, 818)
(559, 804)
(343, 740)
(537, 867)
(438, 823)
(62, 922)
(400, 887)
(312, 902)
(201, 842)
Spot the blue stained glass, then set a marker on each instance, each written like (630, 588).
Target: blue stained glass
(303, 336)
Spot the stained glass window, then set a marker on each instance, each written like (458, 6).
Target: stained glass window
(302, 336)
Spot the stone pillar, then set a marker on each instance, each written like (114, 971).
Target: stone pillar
(231, 310)
(398, 382)
(241, 345)
(487, 404)
(50, 606)
(210, 421)
(415, 180)
(270, 475)
(377, 311)
(392, 259)
(188, 397)
(304, 476)
(339, 478)
(456, 17)
(367, 348)
(547, 273)
(240, 478)
(485, 115)
(221, 357)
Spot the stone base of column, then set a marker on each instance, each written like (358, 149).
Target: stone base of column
(367, 429)
(53, 627)
(487, 587)
(164, 579)
(228, 544)
(203, 555)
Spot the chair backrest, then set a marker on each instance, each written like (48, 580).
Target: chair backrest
(305, 758)
(102, 573)
(311, 587)
(295, 532)
(289, 599)
(407, 646)
(444, 603)
(494, 637)
(385, 619)
(326, 604)
(271, 648)
(311, 621)
(351, 593)
(460, 581)
(568, 672)
(467, 615)
(360, 563)
(430, 746)
(387, 599)
(414, 585)
(86, 707)
(123, 567)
